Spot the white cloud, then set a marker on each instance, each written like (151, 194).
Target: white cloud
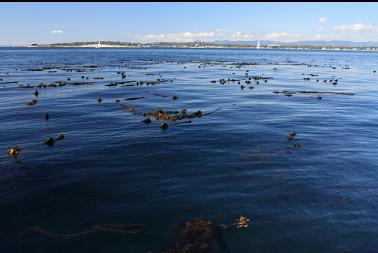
(242, 36)
(359, 27)
(355, 32)
(176, 37)
(56, 31)
(282, 36)
(343, 36)
(210, 36)
(322, 19)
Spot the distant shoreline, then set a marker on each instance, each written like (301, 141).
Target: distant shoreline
(206, 47)
(265, 44)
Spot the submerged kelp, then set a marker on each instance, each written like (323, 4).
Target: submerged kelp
(194, 237)
(123, 229)
(200, 236)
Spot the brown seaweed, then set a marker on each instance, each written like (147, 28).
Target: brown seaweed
(325, 92)
(113, 84)
(14, 151)
(159, 114)
(51, 141)
(33, 102)
(194, 237)
(291, 135)
(8, 82)
(112, 228)
(289, 93)
(134, 98)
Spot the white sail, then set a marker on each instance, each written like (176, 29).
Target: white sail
(98, 45)
(258, 45)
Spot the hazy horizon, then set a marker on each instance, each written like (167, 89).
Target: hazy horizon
(44, 23)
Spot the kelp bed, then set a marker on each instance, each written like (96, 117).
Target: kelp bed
(167, 117)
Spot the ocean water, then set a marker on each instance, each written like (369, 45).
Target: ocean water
(111, 168)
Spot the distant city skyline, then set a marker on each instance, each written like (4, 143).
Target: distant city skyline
(27, 23)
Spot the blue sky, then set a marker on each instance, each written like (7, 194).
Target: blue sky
(26, 23)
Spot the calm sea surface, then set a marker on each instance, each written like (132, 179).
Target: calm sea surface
(111, 168)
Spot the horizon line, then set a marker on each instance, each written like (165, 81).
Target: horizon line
(188, 42)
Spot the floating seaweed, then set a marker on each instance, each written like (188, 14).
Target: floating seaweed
(241, 64)
(325, 92)
(91, 66)
(33, 102)
(285, 92)
(60, 137)
(242, 222)
(14, 151)
(55, 84)
(194, 237)
(147, 121)
(291, 135)
(79, 70)
(51, 141)
(159, 114)
(197, 236)
(111, 228)
(134, 98)
(164, 125)
(113, 84)
(48, 68)
(7, 82)
(290, 93)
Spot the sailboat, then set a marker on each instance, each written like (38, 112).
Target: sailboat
(258, 45)
(98, 45)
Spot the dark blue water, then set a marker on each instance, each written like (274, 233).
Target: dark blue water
(113, 168)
